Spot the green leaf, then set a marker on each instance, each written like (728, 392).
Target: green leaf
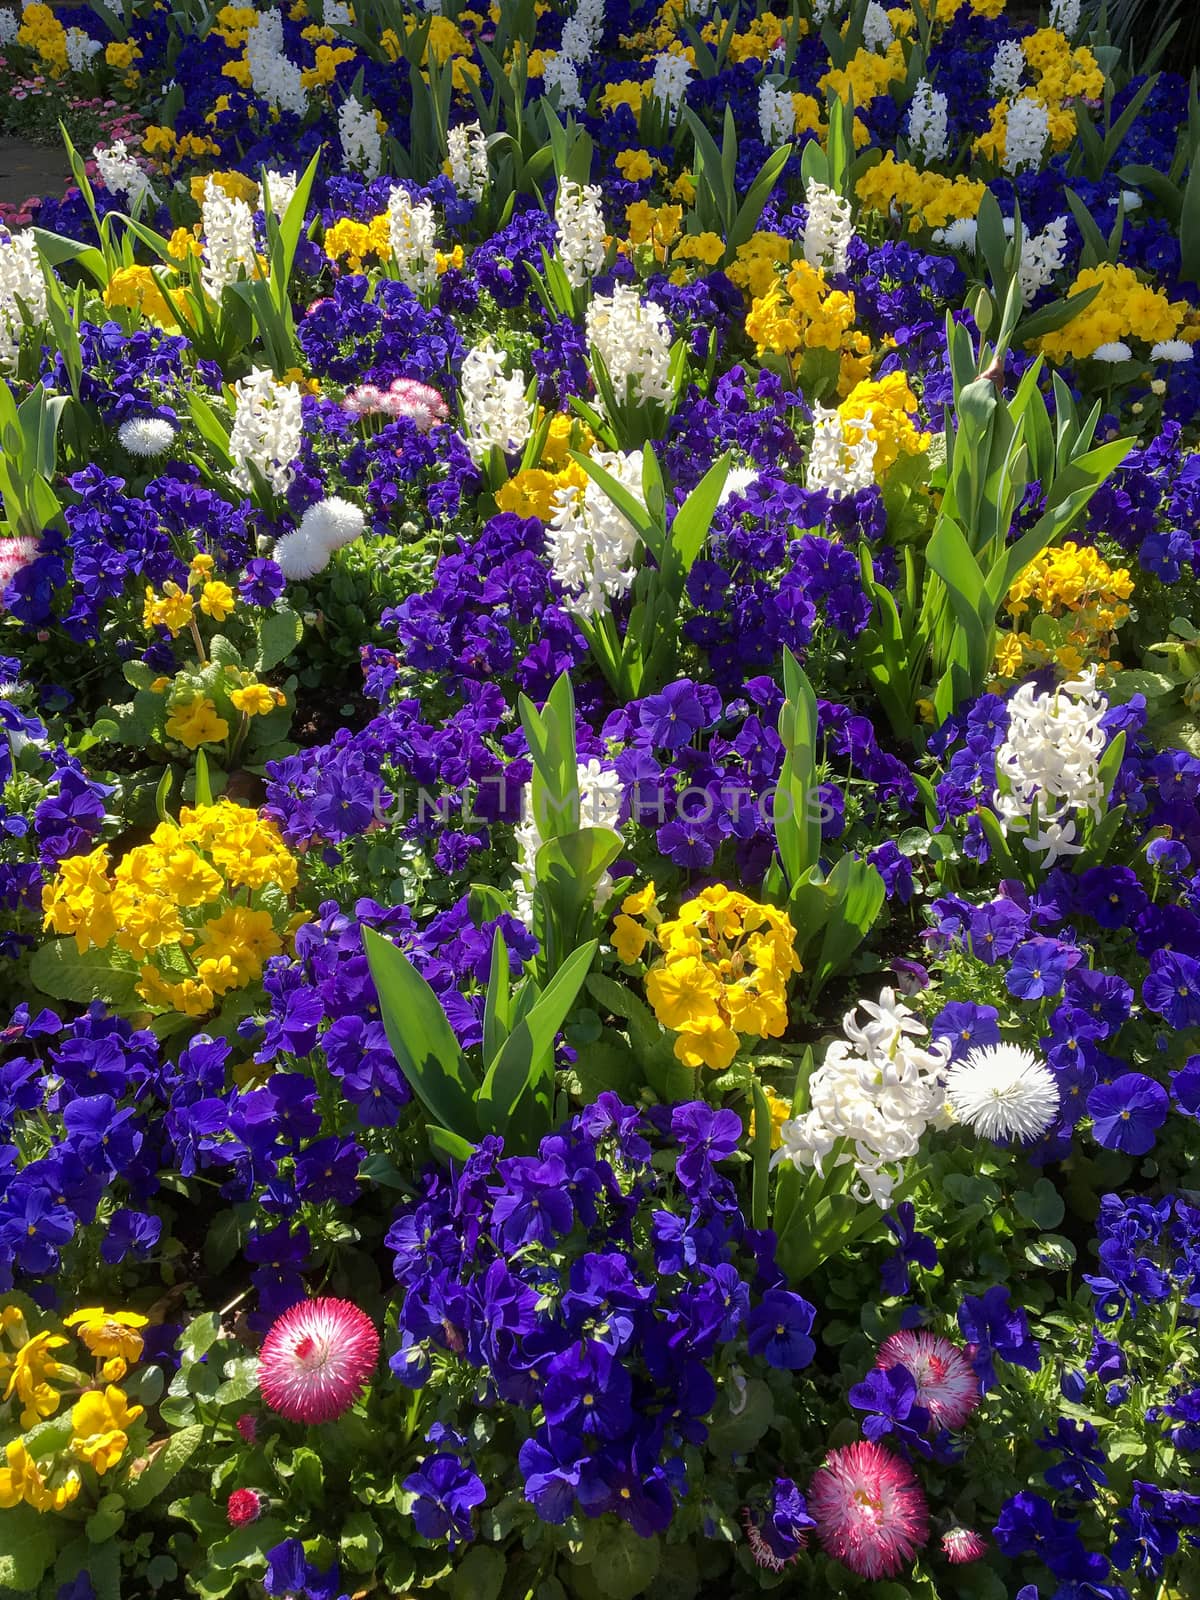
(361, 1542)
(740, 1418)
(421, 1038)
(247, 1546)
(59, 970)
(478, 1576)
(524, 1067)
(624, 1564)
(28, 1544)
(199, 1337)
(1042, 1206)
(279, 632)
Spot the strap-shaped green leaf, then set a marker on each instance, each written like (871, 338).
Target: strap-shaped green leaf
(421, 1038)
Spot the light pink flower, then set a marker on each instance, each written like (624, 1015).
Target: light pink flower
(869, 1509)
(961, 1545)
(15, 553)
(316, 1360)
(946, 1383)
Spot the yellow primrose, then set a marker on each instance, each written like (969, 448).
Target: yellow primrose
(109, 1333)
(100, 1423)
(195, 722)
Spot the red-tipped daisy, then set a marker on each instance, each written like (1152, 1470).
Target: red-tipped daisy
(961, 1545)
(245, 1505)
(946, 1383)
(316, 1360)
(869, 1509)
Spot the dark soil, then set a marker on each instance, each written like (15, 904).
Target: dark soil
(29, 170)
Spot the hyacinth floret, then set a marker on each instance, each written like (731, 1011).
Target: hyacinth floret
(871, 1100)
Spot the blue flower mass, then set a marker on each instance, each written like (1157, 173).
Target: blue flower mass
(600, 801)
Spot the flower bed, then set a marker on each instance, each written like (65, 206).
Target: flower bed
(600, 874)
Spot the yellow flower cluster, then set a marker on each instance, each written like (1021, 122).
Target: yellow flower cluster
(635, 165)
(531, 492)
(136, 288)
(655, 227)
(1067, 605)
(101, 1418)
(234, 184)
(927, 198)
(947, 10)
(41, 31)
(169, 904)
(800, 312)
(722, 970)
(1125, 308)
(351, 241)
(866, 74)
(1063, 76)
(328, 60)
(888, 407)
(626, 93)
(233, 24)
(162, 145)
(755, 263)
(756, 42)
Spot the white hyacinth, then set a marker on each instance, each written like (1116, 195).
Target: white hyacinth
(146, 436)
(267, 426)
(633, 338)
(842, 458)
(412, 230)
(600, 798)
(776, 113)
(928, 124)
(1172, 350)
(496, 412)
(580, 224)
(877, 28)
(1008, 70)
(1042, 255)
(336, 14)
(281, 187)
(9, 25)
(21, 279)
(669, 86)
(228, 228)
(468, 155)
(273, 77)
(1003, 1092)
(871, 1100)
(120, 173)
(81, 49)
(590, 540)
(362, 148)
(560, 73)
(1050, 761)
(1026, 131)
(582, 32)
(1064, 15)
(829, 228)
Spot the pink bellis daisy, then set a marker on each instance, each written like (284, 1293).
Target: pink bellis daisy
(869, 1509)
(316, 1360)
(960, 1545)
(946, 1383)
